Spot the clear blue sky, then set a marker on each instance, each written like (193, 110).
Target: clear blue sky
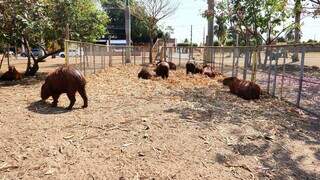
(189, 13)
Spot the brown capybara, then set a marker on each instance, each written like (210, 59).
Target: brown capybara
(208, 71)
(172, 66)
(193, 68)
(65, 79)
(244, 89)
(11, 75)
(162, 70)
(145, 73)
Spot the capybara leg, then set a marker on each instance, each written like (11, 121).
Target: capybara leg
(72, 98)
(84, 96)
(55, 100)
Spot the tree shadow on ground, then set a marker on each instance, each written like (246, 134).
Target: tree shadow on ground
(26, 81)
(218, 106)
(42, 107)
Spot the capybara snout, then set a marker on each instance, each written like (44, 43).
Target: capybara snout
(65, 79)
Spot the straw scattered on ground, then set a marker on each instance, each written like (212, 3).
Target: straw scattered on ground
(183, 128)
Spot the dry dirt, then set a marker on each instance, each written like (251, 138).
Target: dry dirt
(182, 128)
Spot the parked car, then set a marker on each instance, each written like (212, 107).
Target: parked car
(72, 53)
(37, 52)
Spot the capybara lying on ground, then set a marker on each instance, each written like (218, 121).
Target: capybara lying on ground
(11, 75)
(172, 66)
(244, 89)
(193, 68)
(210, 72)
(145, 73)
(162, 70)
(65, 79)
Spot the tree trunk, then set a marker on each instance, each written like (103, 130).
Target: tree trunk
(2, 60)
(297, 9)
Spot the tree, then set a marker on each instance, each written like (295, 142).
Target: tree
(151, 12)
(116, 10)
(221, 28)
(38, 23)
(316, 6)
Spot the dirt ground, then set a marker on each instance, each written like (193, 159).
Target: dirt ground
(181, 128)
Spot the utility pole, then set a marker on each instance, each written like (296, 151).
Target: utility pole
(204, 36)
(210, 22)
(128, 31)
(191, 36)
(209, 40)
(191, 45)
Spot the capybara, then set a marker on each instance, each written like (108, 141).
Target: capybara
(208, 71)
(172, 66)
(193, 68)
(65, 79)
(11, 75)
(162, 70)
(244, 89)
(145, 73)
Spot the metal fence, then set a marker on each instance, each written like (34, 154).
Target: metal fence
(289, 72)
(92, 58)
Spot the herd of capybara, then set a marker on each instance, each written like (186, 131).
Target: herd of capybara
(69, 80)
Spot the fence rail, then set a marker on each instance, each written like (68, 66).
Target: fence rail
(289, 72)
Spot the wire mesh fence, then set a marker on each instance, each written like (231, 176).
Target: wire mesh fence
(289, 72)
(92, 58)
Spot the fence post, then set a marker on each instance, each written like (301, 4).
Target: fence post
(254, 66)
(179, 57)
(233, 62)
(143, 55)
(222, 59)
(66, 52)
(122, 55)
(110, 55)
(275, 77)
(246, 58)
(85, 58)
(269, 74)
(282, 78)
(80, 56)
(170, 52)
(237, 61)
(94, 58)
(134, 55)
(301, 76)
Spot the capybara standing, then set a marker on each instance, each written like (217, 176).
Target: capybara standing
(145, 73)
(65, 79)
(11, 75)
(192, 68)
(162, 70)
(244, 89)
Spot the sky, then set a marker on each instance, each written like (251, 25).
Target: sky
(189, 13)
